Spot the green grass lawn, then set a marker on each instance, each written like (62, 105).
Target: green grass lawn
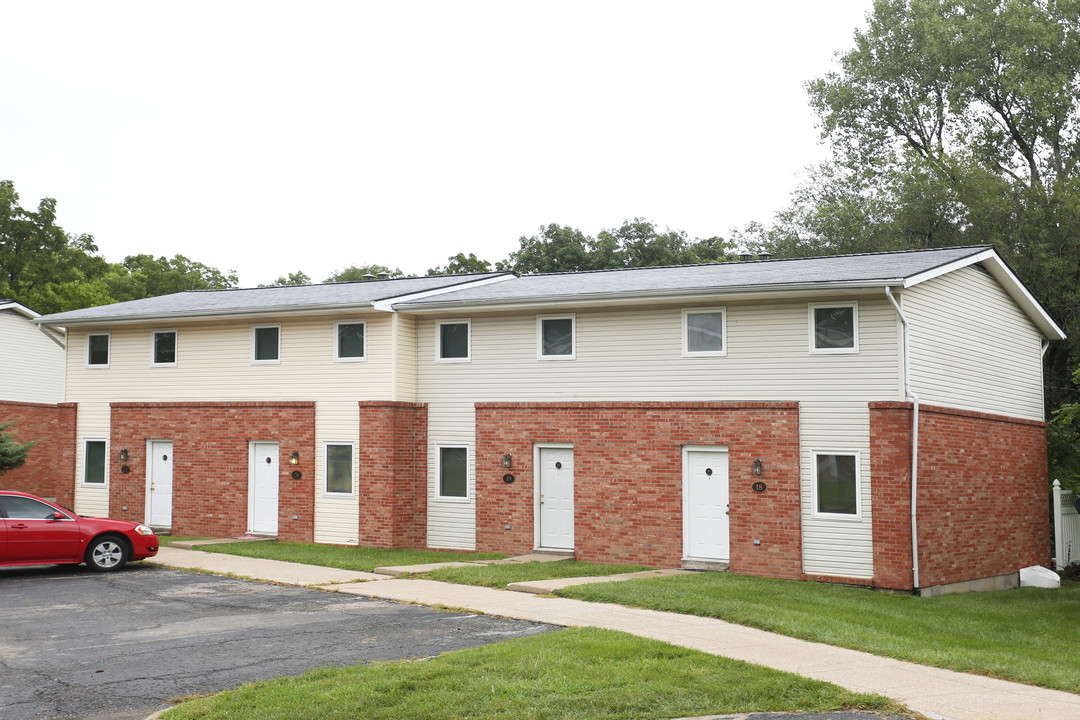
(499, 576)
(350, 558)
(579, 673)
(1030, 635)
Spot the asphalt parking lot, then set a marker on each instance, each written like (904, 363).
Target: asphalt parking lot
(76, 644)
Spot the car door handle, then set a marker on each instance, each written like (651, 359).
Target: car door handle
(20, 526)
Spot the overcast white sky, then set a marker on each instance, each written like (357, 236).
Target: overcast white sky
(270, 137)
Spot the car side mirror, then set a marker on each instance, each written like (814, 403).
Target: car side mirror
(58, 515)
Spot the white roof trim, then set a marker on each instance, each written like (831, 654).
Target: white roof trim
(388, 304)
(1008, 281)
(19, 308)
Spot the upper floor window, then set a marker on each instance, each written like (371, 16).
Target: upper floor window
(704, 331)
(97, 350)
(350, 341)
(834, 328)
(454, 340)
(555, 337)
(164, 342)
(266, 344)
(94, 462)
(836, 486)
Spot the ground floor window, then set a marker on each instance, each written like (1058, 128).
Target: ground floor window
(94, 462)
(836, 483)
(339, 468)
(453, 472)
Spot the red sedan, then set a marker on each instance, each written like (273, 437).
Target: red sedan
(34, 531)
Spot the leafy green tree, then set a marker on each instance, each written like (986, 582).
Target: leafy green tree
(36, 255)
(141, 276)
(12, 453)
(635, 243)
(355, 273)
(461, 264)
(297, 278)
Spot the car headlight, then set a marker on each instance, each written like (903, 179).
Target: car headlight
(143, 530)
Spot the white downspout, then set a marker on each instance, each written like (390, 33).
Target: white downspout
(914, 444)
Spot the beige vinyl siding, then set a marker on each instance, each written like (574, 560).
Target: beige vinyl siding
(337, 516)
(405, 378)
(636, 354)
(31, 364)
(451, 522)
(93, 424)
(972, 347)
(214, 364)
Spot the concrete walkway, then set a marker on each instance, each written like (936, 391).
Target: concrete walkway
(936, 693)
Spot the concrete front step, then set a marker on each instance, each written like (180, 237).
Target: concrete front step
(711, 565)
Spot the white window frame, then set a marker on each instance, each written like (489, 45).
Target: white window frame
(686, 313)
(572, 317)
(468, 341)
(468, 473)
(337, 346)
(108, 341)
(254, 330)
(854, 305)
(153, 347)
(82, 476)
(327, 492)
(814, 485)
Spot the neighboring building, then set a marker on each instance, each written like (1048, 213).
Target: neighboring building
(756, 414)
(31, 357)
(31, 390)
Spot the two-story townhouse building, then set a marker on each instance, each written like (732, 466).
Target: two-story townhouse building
(872, 419)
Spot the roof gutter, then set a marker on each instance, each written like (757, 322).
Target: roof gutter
(914, 444)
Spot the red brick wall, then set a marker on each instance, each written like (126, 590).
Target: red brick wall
(628, 478)
(210, 463)
(982, 498)
(50, 465)
(393, 474)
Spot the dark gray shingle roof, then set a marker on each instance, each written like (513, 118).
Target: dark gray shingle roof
(209, 303)
(688, 279)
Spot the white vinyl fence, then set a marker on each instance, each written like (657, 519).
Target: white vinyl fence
(1066, 528)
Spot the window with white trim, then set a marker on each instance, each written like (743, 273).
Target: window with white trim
(834, 327)
(95, 455)
(454, 339)
(704, 332)
(97, 350)
(453, 472)
(350, 340)
(339, 468)
(163, 348)
(555, 337)
(266, 344)
(837, 488)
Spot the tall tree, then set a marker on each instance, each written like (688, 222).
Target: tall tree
(355, 273)
(954, 122)
(297, 278)
(636, 243)
(461, 264)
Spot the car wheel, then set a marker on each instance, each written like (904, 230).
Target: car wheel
(106, 553)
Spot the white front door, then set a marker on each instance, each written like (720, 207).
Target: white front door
(263, 488)
(706, 530)
(555, 492)
(161, 481)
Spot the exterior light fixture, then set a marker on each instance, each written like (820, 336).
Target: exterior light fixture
(507, 461)
(757, 468)
(124, 455)
(294, 459)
